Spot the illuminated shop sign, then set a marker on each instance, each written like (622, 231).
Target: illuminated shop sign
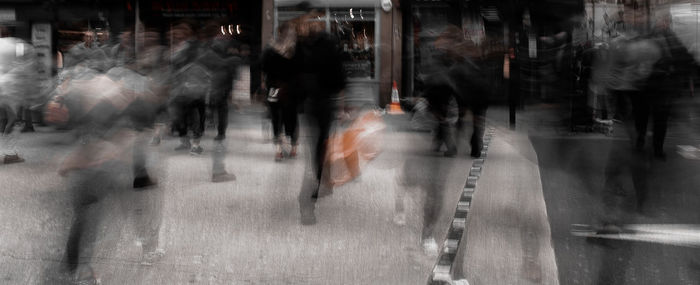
(7, 15)
(204, 8)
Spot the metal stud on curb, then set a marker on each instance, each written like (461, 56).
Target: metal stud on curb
(475, 171)
(471, 181)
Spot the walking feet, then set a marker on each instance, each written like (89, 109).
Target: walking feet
(143, 182)
(430, 247)
(11, 158)
(308, 217)
(223, 177)
(280, 153)
(184, 144)
(196, 150)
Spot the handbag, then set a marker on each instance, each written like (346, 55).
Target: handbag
(350, 150)
(273, 94)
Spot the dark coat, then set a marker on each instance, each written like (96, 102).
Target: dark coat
(321, 73)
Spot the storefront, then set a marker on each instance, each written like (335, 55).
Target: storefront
(424, 20)
(369, 37)
(235, 20)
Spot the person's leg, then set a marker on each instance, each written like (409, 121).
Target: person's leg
(201, 115)
(142, 178)
(479, 127)
(10, 119)
(222, 118)
(27, 119)
(276, 118)
(83, 228)
(661, 111)
(3, 119)
(324, 118)
(432, 203)
(640, 109)
(448, 131)
(291, 121)
(178, 112)
(197, 109)
(149, 218)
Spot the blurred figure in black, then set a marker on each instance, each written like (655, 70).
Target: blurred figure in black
(669, 77)
(454, 84)
(321, 78)
(190, 83)
(111, 122)
(217, 58)
(469, 77)
(282, 101)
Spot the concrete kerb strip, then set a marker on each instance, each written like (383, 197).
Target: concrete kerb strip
(444, 268)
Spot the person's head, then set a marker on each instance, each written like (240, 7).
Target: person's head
(309, 24)
(451, 43)
(103, 36)
(126, 37)
(88, 38)
(286, 39)
(181, 32)
(244, 50)
(635, 16)
(211, 30)
(151, 37)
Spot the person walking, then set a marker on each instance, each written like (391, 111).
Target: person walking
(282, 94)
(321, 79)
(190, 83)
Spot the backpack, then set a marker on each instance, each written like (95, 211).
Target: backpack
(192, 81)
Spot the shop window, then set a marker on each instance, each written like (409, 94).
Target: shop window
(355, 28)
(285, 14)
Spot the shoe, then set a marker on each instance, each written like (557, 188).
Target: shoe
(308, 217)
(219, 137)
(87, 277)
(477, 147)
(639, 145)
(12, 158)
(155, 141)
(436, 147)
(144, 182)
(320, 194)
(279, 156)
(27, 130)
(451, 153)
(400, 219)
(475, 153)
(278, 153)
(223, 177)
(196, 150)
(184, 145)
(430, 247)
(293, 152)
(660, 154)
(151, 257)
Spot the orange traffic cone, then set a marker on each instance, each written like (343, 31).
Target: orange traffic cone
(395, 107)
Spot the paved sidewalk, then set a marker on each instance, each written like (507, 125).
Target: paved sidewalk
(246, 231)
(508, 239)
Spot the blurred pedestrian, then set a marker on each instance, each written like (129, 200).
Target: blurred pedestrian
(321, 78)
(217, 57)
(190, 84)
(282, 97)
(20, 89)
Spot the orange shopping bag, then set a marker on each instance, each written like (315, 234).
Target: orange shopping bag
(348, 151)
